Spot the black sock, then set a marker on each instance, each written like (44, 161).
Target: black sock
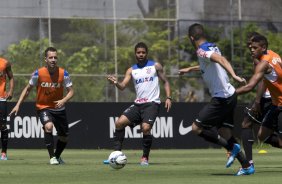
(49, 142)
(240, 156)
(147, 143)
(248, 140)
(4, 140)
(231, 143)
(242, 159)
(60, 148)
(273, 140)
(118, 139)
(212, 136)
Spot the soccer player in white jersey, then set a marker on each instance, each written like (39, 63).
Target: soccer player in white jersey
(220, 111)
(145, 75)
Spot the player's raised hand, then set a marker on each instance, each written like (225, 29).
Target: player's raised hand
(9, 96)
(168, 104)
(59, 103)
(241, 80)
(183, 71)
(112, 79)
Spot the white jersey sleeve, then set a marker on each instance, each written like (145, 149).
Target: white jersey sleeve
(214, 74)
(67, 79)
(34, 78)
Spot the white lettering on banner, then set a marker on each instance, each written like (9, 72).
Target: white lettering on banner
(135, 133)
(26, 127)
(30, 127)
(112, 126)
(163, 128)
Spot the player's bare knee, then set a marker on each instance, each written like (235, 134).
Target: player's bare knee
(261, 137)
(48, 127)
(119, 125)
(146, 131)
(196, 129)
(247, 124)
(146, 128)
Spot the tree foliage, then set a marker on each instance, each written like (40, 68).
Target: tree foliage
(87, 51)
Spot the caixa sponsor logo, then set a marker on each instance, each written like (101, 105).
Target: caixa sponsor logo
(163, 128)
(29, 127)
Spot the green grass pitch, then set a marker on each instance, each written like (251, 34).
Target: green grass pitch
(205, 166)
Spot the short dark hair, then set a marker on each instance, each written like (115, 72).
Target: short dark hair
(141, 45)
(252, 34)
(196, 31)
(262, 40)
(52, 49)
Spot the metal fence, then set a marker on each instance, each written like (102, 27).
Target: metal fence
(97, 38)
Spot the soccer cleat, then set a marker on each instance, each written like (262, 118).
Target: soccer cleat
(106, 162)
(4, 156)
(60, 160)
(54, 161)
(144, 161)
(246, 171)
(234, 152)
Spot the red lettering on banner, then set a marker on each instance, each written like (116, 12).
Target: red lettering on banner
(141, 100)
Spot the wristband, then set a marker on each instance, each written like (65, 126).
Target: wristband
(169, 97)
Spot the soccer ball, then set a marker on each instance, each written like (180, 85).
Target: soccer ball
(117, 159)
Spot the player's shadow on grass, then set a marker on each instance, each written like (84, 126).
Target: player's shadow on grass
(259, 170)
(270, 167)
(12, 159)
(223, 174)
(156, 163)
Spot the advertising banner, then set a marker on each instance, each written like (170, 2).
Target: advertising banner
(92, 127)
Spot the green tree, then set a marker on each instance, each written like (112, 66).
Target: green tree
(25, 58)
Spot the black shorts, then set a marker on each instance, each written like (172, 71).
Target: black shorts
(218, 113)
(273, 119)
(58, 118)
(138, 113)
(265, 105)
(3, 112)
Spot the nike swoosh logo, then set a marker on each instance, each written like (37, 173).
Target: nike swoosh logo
(70, 125)
(184, 130)
(74, 123)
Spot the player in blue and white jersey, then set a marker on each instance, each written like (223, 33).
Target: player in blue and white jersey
(145, 75)
(219, 112)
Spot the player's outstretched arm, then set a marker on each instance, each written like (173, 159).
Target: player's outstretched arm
(261, 68)
(121, 85)
(23, 96)
(227, 66)
(188, 69)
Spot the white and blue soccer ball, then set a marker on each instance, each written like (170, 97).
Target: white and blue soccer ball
(117, 159)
